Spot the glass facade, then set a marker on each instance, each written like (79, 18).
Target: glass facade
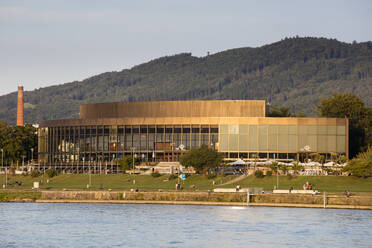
(167, 142)
(284, 139)
(105, 143)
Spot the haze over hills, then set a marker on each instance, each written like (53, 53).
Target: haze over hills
(294, 72)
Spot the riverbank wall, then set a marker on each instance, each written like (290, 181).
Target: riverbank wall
(197, 198)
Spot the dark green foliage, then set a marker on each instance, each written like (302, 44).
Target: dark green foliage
(283, 168)
(274, 166)
(294, 72)
(279, 112)
(283, 112)
(361, 165)
(360, 118)
(35, 173)
(172, 177)
(259, 174)
(17, 143)
(211, 176)
(126, 163)
(155, 174)
(51, 173)
(269, 173)
(202, 159)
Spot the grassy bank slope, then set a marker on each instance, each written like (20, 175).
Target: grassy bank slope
(126, 182)
(321, 183)
(192, 183)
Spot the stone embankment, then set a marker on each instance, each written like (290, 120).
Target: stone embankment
(191, 198)
(210, 198)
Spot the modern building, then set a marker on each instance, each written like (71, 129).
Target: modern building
(164, 130)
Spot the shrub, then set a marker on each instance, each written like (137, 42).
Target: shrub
(211, 176)
(155, 174)
(269, 173)
(258, 174)
(51, 173)
(172, 176)
(361, 165)
(35, 173)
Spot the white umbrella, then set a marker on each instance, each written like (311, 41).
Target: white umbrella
(237, 162)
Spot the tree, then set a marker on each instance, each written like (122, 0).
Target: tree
(17, 142)
(202, 159)
(274, 166)
(352, 107)
(126, 163)
(361, 165)
(284, 112)
(279, 112)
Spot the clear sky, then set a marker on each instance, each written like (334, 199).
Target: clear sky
(49, 42)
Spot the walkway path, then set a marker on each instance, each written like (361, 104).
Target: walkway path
(236, 179)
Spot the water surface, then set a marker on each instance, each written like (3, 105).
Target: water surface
(115, 225)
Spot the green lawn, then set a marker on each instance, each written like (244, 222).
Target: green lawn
(148, 183)
(321, 183)
(119, 181)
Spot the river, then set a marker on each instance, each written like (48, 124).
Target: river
(116, 225)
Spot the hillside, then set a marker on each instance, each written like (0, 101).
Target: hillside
(294, 72)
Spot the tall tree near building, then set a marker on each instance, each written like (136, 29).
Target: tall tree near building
(352, 107)
(202, 159)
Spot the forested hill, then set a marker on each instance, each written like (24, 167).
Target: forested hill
(294, 72)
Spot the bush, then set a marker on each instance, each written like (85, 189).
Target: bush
(34, 174)
(258, 174)
(51, 173)
(172, 176)
(269, 173)
(155, 174)
(361, 165)
(211, 176)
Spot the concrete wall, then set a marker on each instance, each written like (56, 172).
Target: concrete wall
(207, 197)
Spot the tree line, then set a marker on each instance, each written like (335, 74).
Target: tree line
(294, 72)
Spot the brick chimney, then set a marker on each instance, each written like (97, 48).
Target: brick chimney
(20, 106)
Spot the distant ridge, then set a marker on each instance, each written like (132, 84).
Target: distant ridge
(294, 72)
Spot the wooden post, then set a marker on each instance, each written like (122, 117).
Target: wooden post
(248, 197)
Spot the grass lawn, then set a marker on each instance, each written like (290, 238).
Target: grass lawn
(148, 183)
(321, 183)
(117, 181)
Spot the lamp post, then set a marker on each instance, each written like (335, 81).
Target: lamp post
(2, 157)
(133, 148)
(277, 174)
(302, 153)
(90, 177)
(2, 165)
(23, 162)
(32, 156)
(83, 164)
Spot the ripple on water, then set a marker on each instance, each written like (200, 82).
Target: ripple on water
(111, 225)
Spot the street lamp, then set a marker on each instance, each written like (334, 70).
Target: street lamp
(277, 174)
(2, 165)
(83, 164)
(90, 176)
(32, 156)
(133, 148)
(2, 157)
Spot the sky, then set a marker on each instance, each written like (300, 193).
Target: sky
(44, 42)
